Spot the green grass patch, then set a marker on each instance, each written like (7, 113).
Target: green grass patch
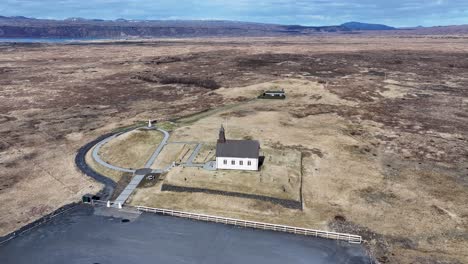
(129, 127)
(167, 125)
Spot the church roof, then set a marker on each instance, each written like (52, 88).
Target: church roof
(238, 149)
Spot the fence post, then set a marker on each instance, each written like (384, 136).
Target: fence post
(260, 225)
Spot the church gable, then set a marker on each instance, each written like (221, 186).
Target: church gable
(236, 154)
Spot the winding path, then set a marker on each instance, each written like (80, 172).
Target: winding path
(158, 150)
(110, 184)
(148, 164)
(98, 159)
(138, 177)
(80, 162)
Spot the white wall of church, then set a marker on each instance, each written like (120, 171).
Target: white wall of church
(223, 163)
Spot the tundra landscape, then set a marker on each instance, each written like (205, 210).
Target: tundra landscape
(372, 138)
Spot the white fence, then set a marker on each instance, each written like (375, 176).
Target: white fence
(243, 223)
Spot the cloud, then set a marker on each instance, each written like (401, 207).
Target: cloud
(306, 12)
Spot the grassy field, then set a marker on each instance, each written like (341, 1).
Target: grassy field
(173, 153)
(381, 122)
(342, 170)
(113, 174)
(279, 177)
(166, 125)
(207, 153)
(131, 150)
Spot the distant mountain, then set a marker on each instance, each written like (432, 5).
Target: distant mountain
(437, 30)
(14, 17)
(366, 26)
(22, 27)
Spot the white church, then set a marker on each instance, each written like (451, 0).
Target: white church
(236, 154)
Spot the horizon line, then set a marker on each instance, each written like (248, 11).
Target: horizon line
(220, 20)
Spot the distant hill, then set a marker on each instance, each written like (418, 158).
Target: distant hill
(366, 26)
(21, 27)
(437, 30)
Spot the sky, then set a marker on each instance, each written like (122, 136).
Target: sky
(399, 13)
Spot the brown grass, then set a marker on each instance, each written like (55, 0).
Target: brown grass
(207, 153)
(343, 172)
(279, 178)
(113, 174)
(131, 150)
(172, 152)
(393, 153)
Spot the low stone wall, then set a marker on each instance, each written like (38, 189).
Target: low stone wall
(293, 204)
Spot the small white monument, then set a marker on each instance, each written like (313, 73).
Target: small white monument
(150, 125)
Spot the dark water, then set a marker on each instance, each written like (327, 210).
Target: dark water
(80, 236)
(46, 40)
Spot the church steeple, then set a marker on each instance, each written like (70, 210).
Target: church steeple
(222, 136)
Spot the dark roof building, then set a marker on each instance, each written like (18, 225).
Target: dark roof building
(236, 148)
(274, 92)
(273, 95)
